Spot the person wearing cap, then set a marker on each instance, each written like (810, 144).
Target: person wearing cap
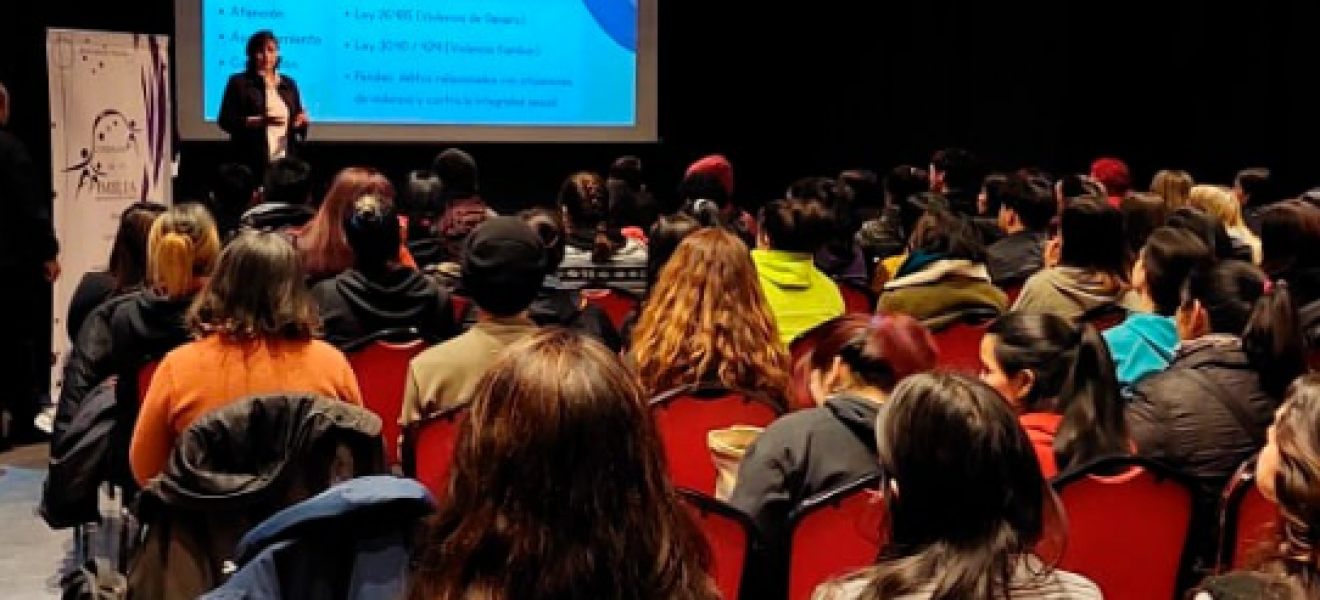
(503, 264)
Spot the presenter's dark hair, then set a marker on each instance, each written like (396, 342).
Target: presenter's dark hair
(255, 44)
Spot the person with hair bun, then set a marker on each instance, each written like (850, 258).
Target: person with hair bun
(597, 252)
(855, 364)
(128, 331)
(379, 293)
(789, 235)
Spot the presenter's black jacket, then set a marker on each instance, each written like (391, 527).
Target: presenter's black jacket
(245, 97)
(27, 236)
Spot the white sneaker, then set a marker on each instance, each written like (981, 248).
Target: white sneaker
(45, 420)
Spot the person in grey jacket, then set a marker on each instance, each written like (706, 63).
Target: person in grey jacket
(855, 361)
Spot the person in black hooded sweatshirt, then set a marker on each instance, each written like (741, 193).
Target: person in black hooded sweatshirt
(855, 364)
(378, 293)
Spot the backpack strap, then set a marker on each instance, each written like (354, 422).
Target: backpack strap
(1231, 402)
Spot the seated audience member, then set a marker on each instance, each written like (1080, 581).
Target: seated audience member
(1218, 202)
(706, 194)
(1145, 342)
(662, 240)
(841, 258)
(850, 373)
(596, 252)
(1290, 233)
(378, 293)
(707, 322)
(257, 325)
(800, 296)
(463, 209)
(503, 263)
(887, 235)
(632, 206)
(943, 280)
(1172, 186)
(1253, 189)
(234, 192)
(421, 204)
(1209, 410)
(1027, 206)
(285, 198)
(127, 270)
(561, 469)
(556, 303)
(1058, 377)
(1287, 474)
(122, 335)
(1091, 267)
(1113, 174)
(1210, 231)
(322, 245)
(1143, 213)
(965, 520)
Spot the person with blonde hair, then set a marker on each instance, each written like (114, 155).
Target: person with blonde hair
(1173, 185)
(129, 331)
(1218, 202)
(708, 322)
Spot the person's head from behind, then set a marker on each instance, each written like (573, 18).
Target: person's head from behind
(1026, 204)
(864, 189)
(864, 355)
(503, 265)
(582, 197)
(796, 226)
(831, 194)
(718, 169)
(707, 318)
(1253, 186)
(1209, 229)
(457, 171)
(234, 189)
(182, 251)
(704, 198)
(628, 169)
(966, 496)
(372, 231)
(288, 181)
(665, 236)
(258, 293)
(903, 182)
(955, 170)
(991, 197)
(942, 233)
(128, 255)
(1044, 363)
(263, 52)
(549, 226)
(1173, 186)
(421, 201)
(1218, 202)
(1163, 266)
(1143, 213)
(559, 459)
(325, 250)
(1092, 237)
(1112, 173)
(1289, 234)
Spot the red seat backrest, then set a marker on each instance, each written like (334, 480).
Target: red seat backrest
(960, 347)
(833, 534)
(729, 534)
(1247, 519)
(684, 418)
(1126, 533)
(145, 375)
(460, 304)
(434, 449)
(856, 299)
(382, 374)
(617, 304)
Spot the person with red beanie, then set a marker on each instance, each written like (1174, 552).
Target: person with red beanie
(1115, 176)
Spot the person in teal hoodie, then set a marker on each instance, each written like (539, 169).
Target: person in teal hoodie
(800, 296)
(1144, 343)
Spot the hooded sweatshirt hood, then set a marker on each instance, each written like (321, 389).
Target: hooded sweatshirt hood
(393, 295)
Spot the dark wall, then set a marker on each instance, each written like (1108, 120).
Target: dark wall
(1174, 83)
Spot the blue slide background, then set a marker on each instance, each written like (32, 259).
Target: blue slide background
(471, 62)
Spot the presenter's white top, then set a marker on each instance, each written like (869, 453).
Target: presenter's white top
(277, 135)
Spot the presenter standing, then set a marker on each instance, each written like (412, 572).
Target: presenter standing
(262, 110)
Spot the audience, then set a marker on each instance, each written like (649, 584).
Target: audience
(322, 245)
(800, 296)
(256, 325)
(1218, 202)
(597, 253)
(378, 294)
(126, 271)
(840, 258)
(1027, 207)
(1173, 187)
(284, 202)
(1252, 189)
(556, 303)
(1088, 264)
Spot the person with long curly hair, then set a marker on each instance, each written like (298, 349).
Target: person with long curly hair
(707, 322)
(542, 506)
(1287, 474)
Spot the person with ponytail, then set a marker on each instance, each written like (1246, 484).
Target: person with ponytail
(130, 330)
(1208, 412)
(597, 253)
(1288, 475)
(849, 374)
(1058, 377)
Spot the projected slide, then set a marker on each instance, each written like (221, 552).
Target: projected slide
(532, 63)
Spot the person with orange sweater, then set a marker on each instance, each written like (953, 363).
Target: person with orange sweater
(256, 325)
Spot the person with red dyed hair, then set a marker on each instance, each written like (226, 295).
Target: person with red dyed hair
(856, 362)
(1115, 176)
